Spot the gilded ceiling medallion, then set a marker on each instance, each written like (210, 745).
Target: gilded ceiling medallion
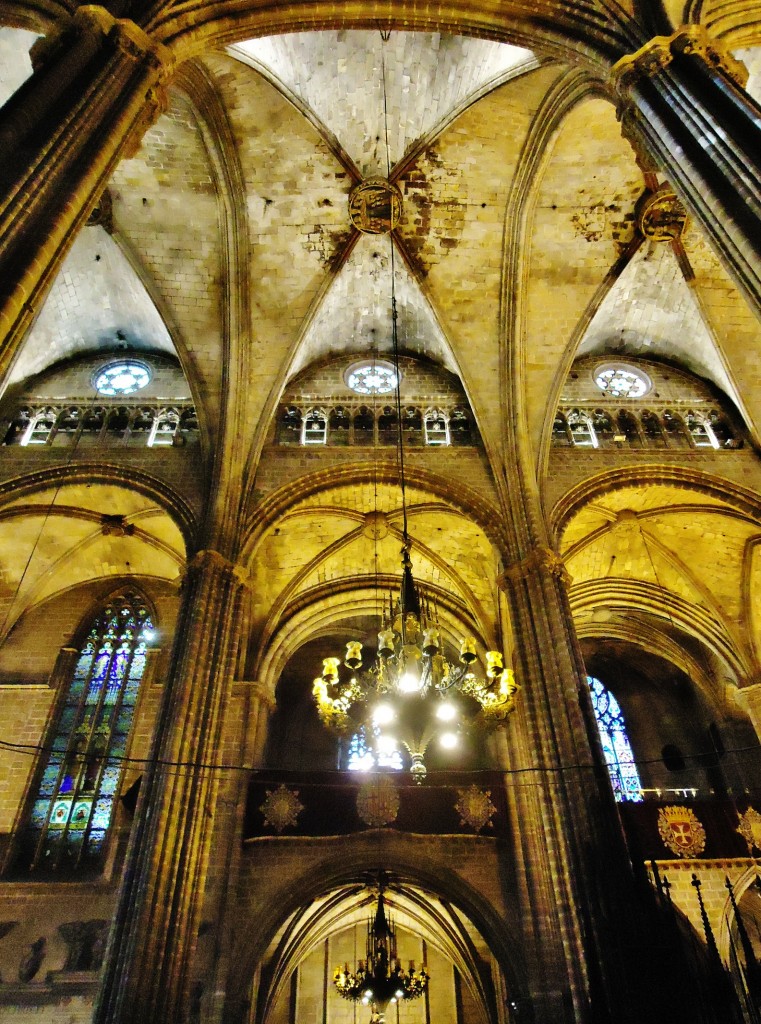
(661, 216)
(681, 831)
(475, 808)
(281, 808)
(378, 802)
(375, 206)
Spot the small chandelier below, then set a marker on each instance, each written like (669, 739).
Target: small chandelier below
(380, 979)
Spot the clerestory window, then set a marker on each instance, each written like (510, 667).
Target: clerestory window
(73, 806)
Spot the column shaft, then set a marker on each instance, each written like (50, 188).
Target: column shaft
(153, 938)
(687, 115)
(95, 92)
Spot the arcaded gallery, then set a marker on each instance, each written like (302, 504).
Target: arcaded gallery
(380, 512)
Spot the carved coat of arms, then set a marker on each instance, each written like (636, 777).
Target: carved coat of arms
(681, 831)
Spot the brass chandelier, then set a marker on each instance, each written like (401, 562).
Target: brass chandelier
(380, 979)
(411, 693)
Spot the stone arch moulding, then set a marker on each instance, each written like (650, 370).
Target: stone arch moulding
(662, 644)
(738, 498)
(315, 611)
(99, 473)
(593, 32)
(347, 868)
(460, 498)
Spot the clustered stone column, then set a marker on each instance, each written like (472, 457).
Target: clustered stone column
(96, 89)
(553, 791)
(684, 108)
(153, 936)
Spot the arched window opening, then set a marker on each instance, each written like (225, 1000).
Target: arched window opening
(412, 424)
(73, 806)
(436, 428)
(364, 426)
(315, 430)
(723, 431)
(602, 427)
(560, 432)
(701, 431)
(289, 425)
(339, 422)
(616, 747)
(628, 428)
(673, 758)
(40, 427)
(118, 421)
(164, 428)
(675, 429)
(582, 431)
(361, 757)
(651, 425)
(459, 427)
(387, 426)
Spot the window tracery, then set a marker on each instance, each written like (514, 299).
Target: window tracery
(315, 427)
(362, 758)
(73, 806)
(616, 747)
(436, 428)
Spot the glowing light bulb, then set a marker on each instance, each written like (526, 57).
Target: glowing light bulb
(409, 683)
(446, 712)
(383, 714)
(449, 740)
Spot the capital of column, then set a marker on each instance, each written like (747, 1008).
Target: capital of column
(656, 55)
(210, 560)
(258, 691)
(129, 37)
(92, 20)
(541, 559)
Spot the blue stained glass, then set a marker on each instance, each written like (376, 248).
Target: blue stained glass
(118, 745)
(49, 779)
(616, 747)
(102, 814)
(67, 719)
(110, 780)
(363, 758)
(74, 806)
(138, 665)
(83, 666)
(75, 690)
(95, 842)
(39, 813)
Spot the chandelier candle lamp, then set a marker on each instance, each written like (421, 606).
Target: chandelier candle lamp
(380, 979)
(411, 693)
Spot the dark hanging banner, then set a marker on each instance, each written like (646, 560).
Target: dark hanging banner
(337, 803)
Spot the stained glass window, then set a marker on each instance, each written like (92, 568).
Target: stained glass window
(121, 378)
(380, 752)
(615, 743)
(375, 378)
(622, 381)
(73, 806)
